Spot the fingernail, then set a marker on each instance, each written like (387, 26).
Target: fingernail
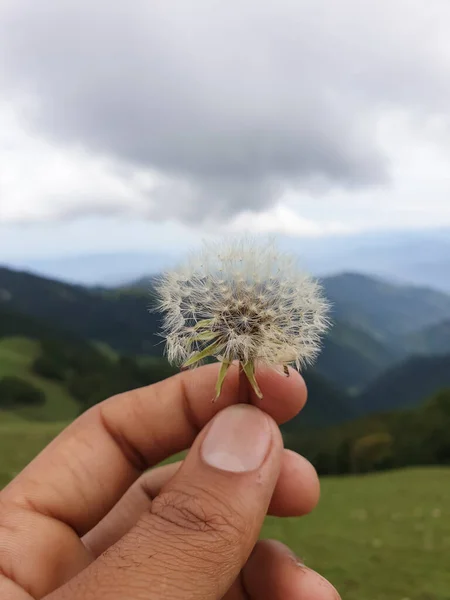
(238, 439)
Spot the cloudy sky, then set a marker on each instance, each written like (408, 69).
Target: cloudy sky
(128, 125)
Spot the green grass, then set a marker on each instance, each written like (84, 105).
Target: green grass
(16, 357)
(20, 442)
(378, 537)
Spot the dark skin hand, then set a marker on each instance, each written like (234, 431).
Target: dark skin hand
(87, 520)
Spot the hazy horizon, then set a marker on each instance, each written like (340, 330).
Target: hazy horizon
(419, 257)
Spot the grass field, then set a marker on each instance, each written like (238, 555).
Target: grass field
(16, 357)
(20, 442)
(377, 537)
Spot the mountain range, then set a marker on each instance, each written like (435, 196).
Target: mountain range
(367, 356)
(406, 384)
(384, 309)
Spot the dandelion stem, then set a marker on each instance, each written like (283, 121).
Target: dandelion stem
(244, 387)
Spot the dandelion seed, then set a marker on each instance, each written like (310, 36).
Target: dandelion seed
(252, 305)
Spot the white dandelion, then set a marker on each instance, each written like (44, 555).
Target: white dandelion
(241, 300)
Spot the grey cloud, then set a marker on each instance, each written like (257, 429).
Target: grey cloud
(228, 100)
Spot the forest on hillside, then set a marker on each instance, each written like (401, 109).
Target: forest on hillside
(378, 404)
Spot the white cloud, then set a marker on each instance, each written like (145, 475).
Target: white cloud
(286, 221)
(304, 118)
(41, 180)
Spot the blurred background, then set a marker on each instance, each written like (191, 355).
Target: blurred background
(129, 132)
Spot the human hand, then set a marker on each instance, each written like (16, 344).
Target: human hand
(83, 521)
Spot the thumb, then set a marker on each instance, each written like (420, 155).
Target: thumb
(201, 529)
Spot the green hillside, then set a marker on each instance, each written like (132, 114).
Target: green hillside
(351, 357)
(119, 318)
(20, 442)
(17, 355)
(382, 309)
(15, 323)
(75, 374)
(406, 384)
(434, 339)
(367, 337)
(72, 373)
(326, 405)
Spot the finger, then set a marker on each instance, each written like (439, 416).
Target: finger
(201, 528)
(127, 511)
(296, 493)
(298, 489)
(273, 573)
(83, 473)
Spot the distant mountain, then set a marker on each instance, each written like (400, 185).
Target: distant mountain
(420, 258)
(382, 309)
(434, 339)
(109, 270)
(432, 273)
(372, 322)
(326, 405)
(355, 357)
(406, 384)
(120, 319)
(351, 357)
(372, 319)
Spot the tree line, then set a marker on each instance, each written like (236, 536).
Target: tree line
(397, 439)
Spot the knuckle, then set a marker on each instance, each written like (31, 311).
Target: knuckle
(199, 512)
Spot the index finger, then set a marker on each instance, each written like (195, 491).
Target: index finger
(82, 474)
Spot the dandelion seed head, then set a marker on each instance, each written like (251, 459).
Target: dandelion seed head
(248, 301)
